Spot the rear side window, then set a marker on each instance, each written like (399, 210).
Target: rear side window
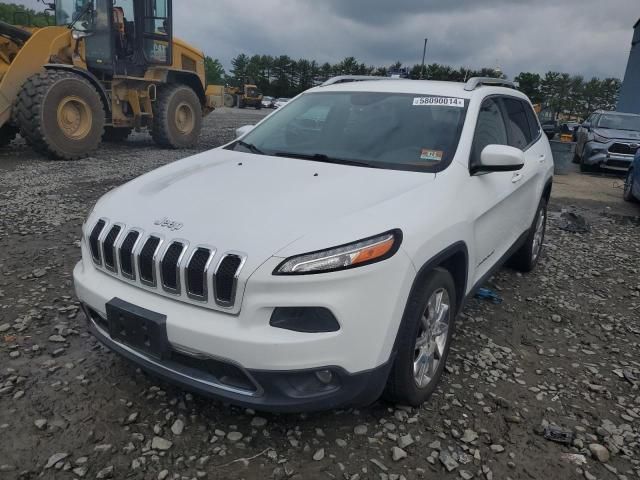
(490, 130)
(519, 131)
(534, 124)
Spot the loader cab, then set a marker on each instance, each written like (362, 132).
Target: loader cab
(122, 37)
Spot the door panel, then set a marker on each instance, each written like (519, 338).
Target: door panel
(494, 214)
(99, 45)
(525, 193)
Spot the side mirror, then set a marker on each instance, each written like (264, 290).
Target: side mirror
(499, 158)
(242, 131)
(586, 126)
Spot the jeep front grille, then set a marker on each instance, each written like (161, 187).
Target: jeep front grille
(197, 274)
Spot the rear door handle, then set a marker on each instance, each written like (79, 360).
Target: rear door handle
(517, 177)
(542, 158)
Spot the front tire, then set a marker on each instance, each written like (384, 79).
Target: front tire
(177, 117)
(628, 187)
(60, 115)
(527, 257)
(424, 340)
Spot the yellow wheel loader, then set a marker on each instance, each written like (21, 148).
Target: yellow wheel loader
(242, 97)
(107, 67)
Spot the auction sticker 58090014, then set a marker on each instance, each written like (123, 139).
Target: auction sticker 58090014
(442, 101)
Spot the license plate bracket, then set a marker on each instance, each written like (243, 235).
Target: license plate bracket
(138, 328)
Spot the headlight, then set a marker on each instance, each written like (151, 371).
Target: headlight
(600, 138)
(356, 254)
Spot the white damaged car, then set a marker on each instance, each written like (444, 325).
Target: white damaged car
(321, 259)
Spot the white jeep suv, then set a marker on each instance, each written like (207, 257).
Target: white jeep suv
(321, 259)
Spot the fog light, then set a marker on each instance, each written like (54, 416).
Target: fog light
(325, 376)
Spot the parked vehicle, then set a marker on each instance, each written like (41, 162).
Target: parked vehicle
(632, 181)
(570, 128)
(607, 140)
(268, 102)
(550, 128)
(281, 102)
(321, 258)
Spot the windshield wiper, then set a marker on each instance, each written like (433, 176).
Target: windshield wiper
(321, 157)
(251, 147)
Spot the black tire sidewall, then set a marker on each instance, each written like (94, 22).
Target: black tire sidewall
(51, 131)
(628, 194)
(404, 388)
(178, 96)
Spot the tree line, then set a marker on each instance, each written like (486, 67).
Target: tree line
(283, 76)
(20, 15)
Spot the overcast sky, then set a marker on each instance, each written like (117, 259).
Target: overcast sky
(587, 37)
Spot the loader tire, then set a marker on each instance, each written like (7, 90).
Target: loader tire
(116, 134)
(7, 134)
(177, 117)
(229, 100)
(60, 115)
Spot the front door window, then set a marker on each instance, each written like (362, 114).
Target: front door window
(157, 31)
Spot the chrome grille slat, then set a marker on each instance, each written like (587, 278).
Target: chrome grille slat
(126, 254)
(94, 241)
(108, 247)
(196, 273)
(170, 267)
(146, 261)
(225, 278)
(142, 258)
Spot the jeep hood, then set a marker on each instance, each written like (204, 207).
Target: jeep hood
(255, 204)
(629, 135)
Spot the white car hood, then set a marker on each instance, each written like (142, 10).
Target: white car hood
(253, 204)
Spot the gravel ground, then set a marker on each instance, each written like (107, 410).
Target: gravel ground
(561, 349)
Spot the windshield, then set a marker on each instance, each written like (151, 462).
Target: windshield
(68, 11)
(383, 130)
(619, 122)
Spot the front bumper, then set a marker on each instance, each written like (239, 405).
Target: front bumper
(598, 154)
(368, 303)
(274, 391)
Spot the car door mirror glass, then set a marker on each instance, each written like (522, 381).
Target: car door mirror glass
(242, 131)
(499, 158)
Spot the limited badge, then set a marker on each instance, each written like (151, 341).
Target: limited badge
(428, 155)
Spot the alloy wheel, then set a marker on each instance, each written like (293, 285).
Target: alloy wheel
(432, 338)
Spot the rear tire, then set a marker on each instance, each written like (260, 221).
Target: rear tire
(7, 134)
(116, 134)
(527, 257)
(177, 117)
(60, 115)
(628, 187)
(423, 340)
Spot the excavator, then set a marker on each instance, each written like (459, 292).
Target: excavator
(106, 68)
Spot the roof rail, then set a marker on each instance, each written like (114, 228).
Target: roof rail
(353, 78)
(476, 82)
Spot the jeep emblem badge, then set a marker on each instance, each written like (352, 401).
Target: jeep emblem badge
(170, 224)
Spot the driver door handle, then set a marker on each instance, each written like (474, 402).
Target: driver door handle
(517, 177)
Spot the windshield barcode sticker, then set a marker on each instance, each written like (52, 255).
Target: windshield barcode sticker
(439, 101)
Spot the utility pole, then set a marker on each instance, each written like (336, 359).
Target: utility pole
(424, 55)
